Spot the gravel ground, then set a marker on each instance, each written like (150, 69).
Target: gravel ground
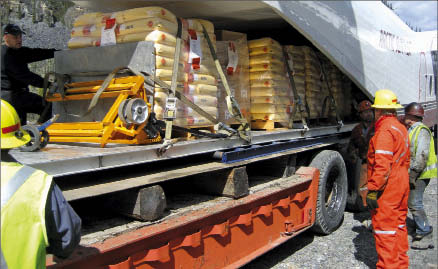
(351, 246)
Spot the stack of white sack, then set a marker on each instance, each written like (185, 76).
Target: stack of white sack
(154, 24)
(334, 78)
(315, 90)
(197, 78)
(296, 64)
(346, 99)
(232, 52)
(340, 87)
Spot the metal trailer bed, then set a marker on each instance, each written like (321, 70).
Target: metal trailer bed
(67, 159)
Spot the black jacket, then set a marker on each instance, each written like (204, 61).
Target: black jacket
(63, 225)
(15, 73)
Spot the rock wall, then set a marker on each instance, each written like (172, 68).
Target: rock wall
(47, 23)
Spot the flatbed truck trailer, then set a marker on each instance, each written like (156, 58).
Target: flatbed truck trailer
(281, 184)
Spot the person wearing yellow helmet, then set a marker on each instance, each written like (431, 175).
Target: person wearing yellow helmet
(12, 135)
(388, 182)
(36, 218)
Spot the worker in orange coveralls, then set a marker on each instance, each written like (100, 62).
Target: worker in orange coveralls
(388, 183)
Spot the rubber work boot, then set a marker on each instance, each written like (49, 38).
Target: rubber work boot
(367, 224)
(423, 244)
(422, 235)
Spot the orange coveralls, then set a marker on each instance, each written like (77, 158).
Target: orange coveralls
(388, 163)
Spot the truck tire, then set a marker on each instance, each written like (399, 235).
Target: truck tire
(354, 200)
(332, 191)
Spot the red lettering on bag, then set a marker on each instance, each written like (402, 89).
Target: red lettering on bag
(109, 23)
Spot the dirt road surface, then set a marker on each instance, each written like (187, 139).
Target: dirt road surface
(351, 246)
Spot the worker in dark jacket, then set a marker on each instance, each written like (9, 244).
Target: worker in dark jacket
(358, 148)
(35, 217)
(16, 76)
(359, 139)
(423, 168)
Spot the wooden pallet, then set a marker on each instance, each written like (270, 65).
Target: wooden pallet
(190, 136)
(268, 125)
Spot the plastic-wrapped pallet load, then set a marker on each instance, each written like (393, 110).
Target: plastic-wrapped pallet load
(297, 66)
(86, 30)
(315, 90)
(199, 78)
(139, 24)
(346, 86)
(334, 79)
(271, 93)
(232, 52)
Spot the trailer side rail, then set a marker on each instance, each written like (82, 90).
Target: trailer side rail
(226, 235)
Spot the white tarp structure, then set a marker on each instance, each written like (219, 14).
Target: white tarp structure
(365, 39)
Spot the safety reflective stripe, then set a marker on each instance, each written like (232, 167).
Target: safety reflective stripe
(401, 155)
(430, 171)
(406, 143)
(384, 232)
(395, 128)
(432, 166)
(414, 134)
(384, 152)
(15, 183)
(406, 140)
(401, 226)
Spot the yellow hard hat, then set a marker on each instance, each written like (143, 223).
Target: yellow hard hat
(386, 99)
(13, 136)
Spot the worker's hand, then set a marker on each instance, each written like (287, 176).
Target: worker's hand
(52, 87)
(363, 192)
(372, 198)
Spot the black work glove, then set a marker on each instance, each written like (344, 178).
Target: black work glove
(413, 179)
(372, 197)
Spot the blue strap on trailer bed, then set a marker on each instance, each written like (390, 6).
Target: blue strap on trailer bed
(255, 151)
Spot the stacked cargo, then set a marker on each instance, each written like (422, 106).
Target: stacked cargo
(346, 98)
(154, 24)
(87, 30)
(316, 92)
(334, 79)
(232, 52)
(297, 66)
(271, 93)
(197, 77)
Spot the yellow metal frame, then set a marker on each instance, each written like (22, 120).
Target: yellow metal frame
(111, 129)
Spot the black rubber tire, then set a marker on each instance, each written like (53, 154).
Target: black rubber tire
(354, 200)
(35, 139)
(332, 191)
(44, 139)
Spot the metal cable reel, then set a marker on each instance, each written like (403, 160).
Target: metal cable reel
(38, 139)
(133, 111)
